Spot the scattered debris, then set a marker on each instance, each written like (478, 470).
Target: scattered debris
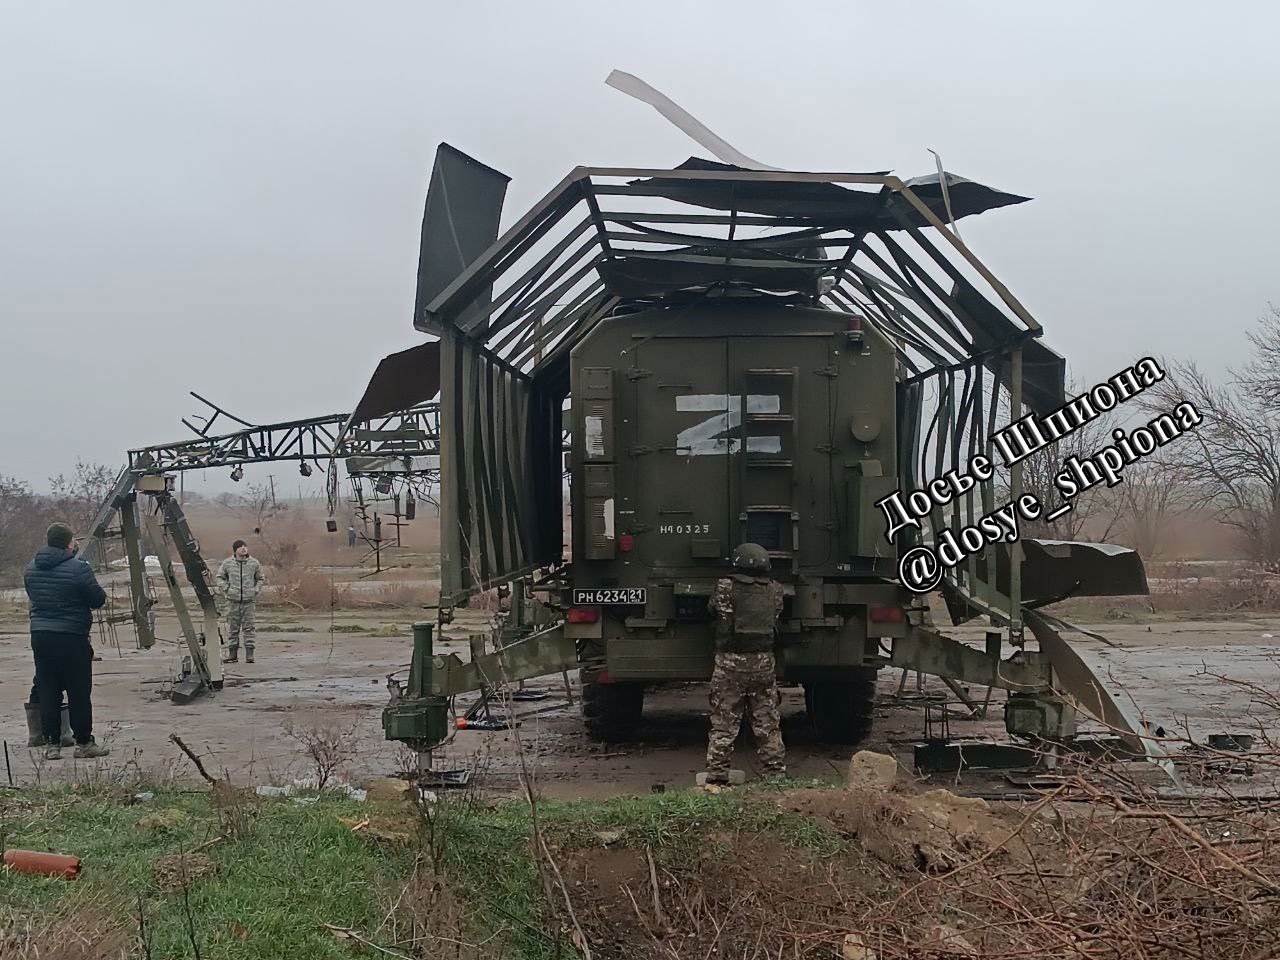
(1241, 742)
(298, 786)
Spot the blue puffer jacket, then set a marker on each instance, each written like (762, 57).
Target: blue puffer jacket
(63, 592)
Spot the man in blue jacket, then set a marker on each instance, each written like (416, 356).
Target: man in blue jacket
(64, 593)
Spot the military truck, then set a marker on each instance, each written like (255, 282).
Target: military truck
(699, 426)
(734, 355)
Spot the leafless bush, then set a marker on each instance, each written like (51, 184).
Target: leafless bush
(434, 924)
(283, 556)
(235, 808)
(329, 747)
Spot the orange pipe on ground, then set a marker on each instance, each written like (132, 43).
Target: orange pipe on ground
(43, 864)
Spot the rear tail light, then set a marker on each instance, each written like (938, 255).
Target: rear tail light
(887, 614)
(626, 543)
(584, 615)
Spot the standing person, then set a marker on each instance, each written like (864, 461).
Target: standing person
(351, 535)
(64, 593)
(746, 606)
(240, 578)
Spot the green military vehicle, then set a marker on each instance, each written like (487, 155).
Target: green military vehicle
(733, 355)
(702, 425)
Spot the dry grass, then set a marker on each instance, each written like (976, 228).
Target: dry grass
(313, 590)
(79, 931)
(400, 595)
(307, 590)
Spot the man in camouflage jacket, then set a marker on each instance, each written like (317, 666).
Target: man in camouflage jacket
(239, 581)
(746, 606)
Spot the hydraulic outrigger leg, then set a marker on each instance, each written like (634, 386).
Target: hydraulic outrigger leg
(202, 669)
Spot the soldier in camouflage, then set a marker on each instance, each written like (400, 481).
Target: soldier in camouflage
(746, 607)
(240, 579)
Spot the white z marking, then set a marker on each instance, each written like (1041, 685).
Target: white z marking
(706, 438)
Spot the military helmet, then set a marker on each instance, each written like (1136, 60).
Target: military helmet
(751, 556)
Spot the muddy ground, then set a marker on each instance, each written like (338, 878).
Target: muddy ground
(315, 682)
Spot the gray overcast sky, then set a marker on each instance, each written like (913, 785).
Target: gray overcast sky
(226, 197)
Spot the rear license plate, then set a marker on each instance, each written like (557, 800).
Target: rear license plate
(626, 596)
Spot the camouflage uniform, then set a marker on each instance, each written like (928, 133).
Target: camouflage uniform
(745, 672)
(240, 581)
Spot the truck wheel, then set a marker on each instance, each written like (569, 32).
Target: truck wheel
(842, 711)
(611, 711)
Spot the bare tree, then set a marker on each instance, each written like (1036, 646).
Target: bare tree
(77, 498)
(1262, 372)
(22, 522)
(259, 506)
(1231, 463)
(1152, 494)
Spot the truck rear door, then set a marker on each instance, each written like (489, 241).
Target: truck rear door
(686, 428)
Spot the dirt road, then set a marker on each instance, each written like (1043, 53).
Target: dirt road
(310, 680)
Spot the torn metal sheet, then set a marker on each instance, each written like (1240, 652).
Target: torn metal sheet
(965, 198)
(829, 203)
(1053, 570)
(402, 380)
(693, 128)
(464, 207)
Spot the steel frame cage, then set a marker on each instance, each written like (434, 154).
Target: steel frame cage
(963, 352)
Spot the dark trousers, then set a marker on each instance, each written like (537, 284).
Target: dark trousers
(64, 662)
